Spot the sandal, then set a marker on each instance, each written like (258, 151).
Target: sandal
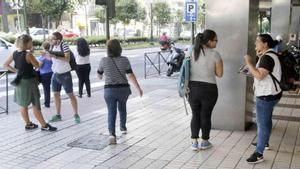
(31, 126)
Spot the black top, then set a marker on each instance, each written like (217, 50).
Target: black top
(267, 62)
(25, 70)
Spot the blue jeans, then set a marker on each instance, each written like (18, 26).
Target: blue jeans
(46, 82)
(116, 98)
(65, 80)
(264, 112)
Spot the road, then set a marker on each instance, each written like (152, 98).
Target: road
(136, 57)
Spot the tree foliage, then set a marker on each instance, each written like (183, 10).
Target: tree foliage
(53, 8)
(161, 13)
(126, 10)
(141, 14)
(100, 14)
(201, 14)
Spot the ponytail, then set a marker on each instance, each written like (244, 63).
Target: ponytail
(201, 40)
(198, 47)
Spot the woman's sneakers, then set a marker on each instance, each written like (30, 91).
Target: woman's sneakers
(31, 126)
(205, 144)
(194, 146)
(255, 158)
(123, 130)
(112, 140)
(48, 127)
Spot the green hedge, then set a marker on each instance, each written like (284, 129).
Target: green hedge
(92, 40)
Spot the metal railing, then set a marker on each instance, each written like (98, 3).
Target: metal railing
(155, 63)
(5, 73)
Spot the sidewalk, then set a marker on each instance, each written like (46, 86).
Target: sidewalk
(158, 137)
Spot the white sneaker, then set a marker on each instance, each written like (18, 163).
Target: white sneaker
(124, 131)
(112, 140)
(205, 144)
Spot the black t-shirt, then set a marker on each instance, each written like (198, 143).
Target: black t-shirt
(267, 62)
(25, 70)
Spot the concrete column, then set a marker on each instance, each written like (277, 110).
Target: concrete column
(235, 22)
(280, 18)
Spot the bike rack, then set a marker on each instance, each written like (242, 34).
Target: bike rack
(154, 58)
(5, 73)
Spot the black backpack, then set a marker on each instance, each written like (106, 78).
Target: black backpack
(287, 63)
(72, 61)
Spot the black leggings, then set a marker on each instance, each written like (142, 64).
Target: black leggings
(202, 98)
(83, 73)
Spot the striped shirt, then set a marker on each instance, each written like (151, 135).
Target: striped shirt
(60, 66)
(115, 70)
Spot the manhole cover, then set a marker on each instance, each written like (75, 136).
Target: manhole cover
(92, 141)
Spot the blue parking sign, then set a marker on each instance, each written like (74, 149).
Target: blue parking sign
(191, 11)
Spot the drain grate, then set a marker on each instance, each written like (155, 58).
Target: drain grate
(91, 141)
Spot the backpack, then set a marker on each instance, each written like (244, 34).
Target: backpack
(72, 61)
(183, 81)
(184, 77)
(287, 63)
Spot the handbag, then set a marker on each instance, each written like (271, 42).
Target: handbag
(121, 74)
(16, 81)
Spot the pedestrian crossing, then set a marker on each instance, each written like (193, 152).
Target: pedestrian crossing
(95, 84)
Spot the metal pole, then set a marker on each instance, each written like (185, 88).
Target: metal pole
(193, 32)
(159, 63)
(145, 67)
(7, 92)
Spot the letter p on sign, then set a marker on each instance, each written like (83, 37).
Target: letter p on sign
(191, 8)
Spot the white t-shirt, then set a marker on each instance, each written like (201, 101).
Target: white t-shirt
(80, 60)
(60, 66)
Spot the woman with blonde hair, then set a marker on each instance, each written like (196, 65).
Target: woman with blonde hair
(26, 85)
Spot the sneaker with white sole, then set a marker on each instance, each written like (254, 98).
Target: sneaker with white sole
(123, 130)
(48, 127)
(194, 146)
(205, 144)
(112, 140)
(255, 158)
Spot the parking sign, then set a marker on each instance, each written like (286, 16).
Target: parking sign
(190, 11)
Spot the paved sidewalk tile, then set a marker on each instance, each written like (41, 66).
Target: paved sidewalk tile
(158, 137)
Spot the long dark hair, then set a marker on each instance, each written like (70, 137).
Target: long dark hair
(82, 47)
(266, 38)
(201, 40)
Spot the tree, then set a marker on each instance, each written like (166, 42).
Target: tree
(54, 9)
(161, 14)
(101, 15)
(201, 14)
(126, 10)
(178, 20)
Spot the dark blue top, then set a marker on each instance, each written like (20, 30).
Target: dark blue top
(46, 66)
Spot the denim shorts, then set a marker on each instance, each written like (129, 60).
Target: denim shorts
(64, 79)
